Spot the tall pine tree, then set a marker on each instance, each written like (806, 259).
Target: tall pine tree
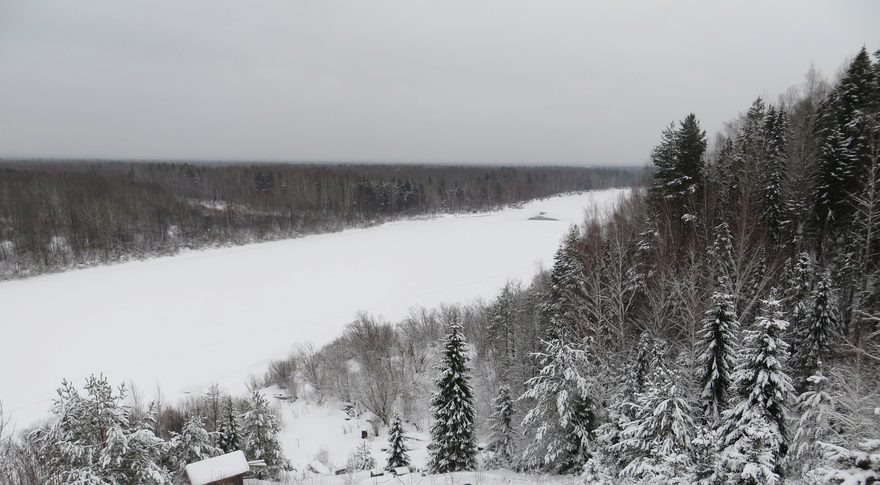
(718, 341)
(765, 392)
(453, 442)
(815, 408)
(657, 443)
(820, 332)
(774, 201)
(640, 366)
(230, 428)
(562, 413)
(750, 154)
(679, 162)
(502, 329)
(721, 254)
(502, 443)
(753, 459)
(799, 296)
(564, 306)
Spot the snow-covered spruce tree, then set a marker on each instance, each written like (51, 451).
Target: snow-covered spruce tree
(502, 331)
(799, 296)
(562, 415)
(717, 359)
(230, 428)
(663, 157)
(814, 425)
(773, 201)
(724, 176)
(833, 171)
(765, 391)
(820, 333)
(751, 146)
(753, 459)
(752, 137)
(397, 450)
(453, 442)
(639, 367)
(260, 428)
(193, 443)
(679, 162)
(656, 445)
(563, 309)
(753, 287)
(722, 254)
(604, 463)
(502, 443)
(90, 439)
(360, 459)
(705, 448)
(147, 450)
(659, 354)
(859, 466)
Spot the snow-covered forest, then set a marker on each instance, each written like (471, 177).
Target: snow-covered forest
(59, 215)
(722, 326)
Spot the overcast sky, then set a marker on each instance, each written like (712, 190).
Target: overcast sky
(410, 80)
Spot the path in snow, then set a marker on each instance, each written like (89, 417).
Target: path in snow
(218, 315)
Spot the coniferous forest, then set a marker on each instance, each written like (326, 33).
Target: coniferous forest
(722, 326)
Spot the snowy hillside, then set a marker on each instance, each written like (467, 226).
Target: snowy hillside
(184, 322)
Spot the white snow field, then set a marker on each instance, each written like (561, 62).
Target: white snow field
(184, 322)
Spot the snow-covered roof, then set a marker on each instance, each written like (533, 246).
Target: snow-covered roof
(217, 468)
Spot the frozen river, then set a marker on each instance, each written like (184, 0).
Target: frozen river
(184, 322)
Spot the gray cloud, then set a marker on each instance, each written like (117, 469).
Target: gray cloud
(410, 80)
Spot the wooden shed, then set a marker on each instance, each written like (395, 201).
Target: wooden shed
(228, 469)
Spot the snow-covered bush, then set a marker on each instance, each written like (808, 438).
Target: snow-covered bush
(360, 459)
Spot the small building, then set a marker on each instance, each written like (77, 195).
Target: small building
(228, 469)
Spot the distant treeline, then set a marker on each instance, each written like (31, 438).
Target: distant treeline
(60, 214)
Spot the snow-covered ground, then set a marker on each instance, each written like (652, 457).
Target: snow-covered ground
(219, 315)
(311, 427)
